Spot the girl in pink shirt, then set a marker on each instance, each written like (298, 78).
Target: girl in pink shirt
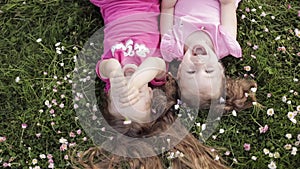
(130, 59)
(201, 33)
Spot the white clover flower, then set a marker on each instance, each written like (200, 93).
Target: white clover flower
(272, 165)
(289, 136)
(270, 112)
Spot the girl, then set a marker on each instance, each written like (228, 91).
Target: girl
(202, 33)
(130, 59)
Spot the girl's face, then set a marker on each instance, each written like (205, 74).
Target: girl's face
(200, 74)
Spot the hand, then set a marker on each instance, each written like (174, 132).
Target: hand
(129, 96)
(118, 82)
(167, 4)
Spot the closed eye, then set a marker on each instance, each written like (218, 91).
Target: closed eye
(191, 71)
(209, 71)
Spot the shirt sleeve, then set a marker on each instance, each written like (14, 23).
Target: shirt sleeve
(231, 43)
(170, 46)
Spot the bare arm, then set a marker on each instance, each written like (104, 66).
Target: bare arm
(152, 67)
(228, 16)
(166, 18)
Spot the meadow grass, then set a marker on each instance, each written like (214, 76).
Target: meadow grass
(36, 100)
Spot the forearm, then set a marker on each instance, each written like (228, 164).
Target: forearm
(228, 16)
(152, 67)
(166, 19)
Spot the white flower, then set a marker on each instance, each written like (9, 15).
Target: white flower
(253, 89)
(298, 108)
(289, 102)
(57, 44)
(63, 140)
(217, 158)
(272, 165)
(287, 146)
(42, 156)
(294, 151)
(127, 121)
(290, 115)
(243, 16)
(271, 155)
(272, 17)
(297, 32)
(203, 127)
(176, 107)
(234, 113)
(198, 124)
(284, 99)
(266, 151)
(277, 38)
(298, 137)
(293, 121)
(34, 161)
(289, 136)
(221, 131)
(17, 79)
(39, 40)
(254, 158)
(263, 14)
(295, 80)
(276, 155)
(270, 112)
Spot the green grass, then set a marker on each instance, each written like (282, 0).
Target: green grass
(73, 22)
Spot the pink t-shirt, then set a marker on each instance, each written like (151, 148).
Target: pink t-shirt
(131, 32)
(194, 15)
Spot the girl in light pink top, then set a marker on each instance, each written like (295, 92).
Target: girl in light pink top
(131, 57)
(199, 33)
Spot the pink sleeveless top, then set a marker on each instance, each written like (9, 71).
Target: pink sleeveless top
(194, 15)
(131, 32)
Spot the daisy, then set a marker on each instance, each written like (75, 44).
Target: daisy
(270, 112)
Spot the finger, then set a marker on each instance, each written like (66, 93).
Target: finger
(130, 103)
(129, 98)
